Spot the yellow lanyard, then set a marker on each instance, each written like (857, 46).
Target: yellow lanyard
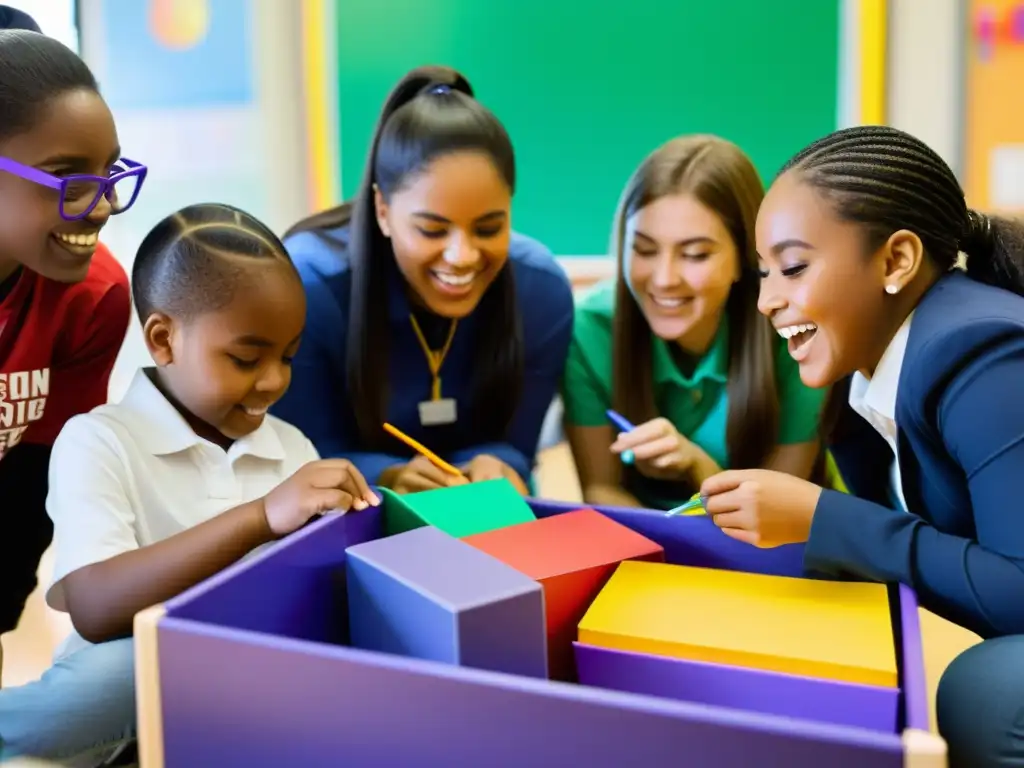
(435, 359)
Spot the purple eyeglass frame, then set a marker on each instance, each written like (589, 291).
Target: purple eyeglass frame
(105, 185)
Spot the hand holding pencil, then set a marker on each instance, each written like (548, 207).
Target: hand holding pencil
(424, 472)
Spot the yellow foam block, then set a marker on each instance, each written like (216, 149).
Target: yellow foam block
(824, 629)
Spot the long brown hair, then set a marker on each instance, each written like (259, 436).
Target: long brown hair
(719, 175)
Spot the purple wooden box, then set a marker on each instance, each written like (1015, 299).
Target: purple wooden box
(252, 668)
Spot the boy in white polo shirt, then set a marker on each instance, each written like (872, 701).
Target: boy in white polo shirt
(186, 475)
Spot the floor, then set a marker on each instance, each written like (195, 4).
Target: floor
(27, 651)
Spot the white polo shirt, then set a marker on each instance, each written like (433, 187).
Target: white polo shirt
(875, 400)
(129, 475)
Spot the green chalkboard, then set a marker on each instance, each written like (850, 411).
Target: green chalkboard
(587, 89)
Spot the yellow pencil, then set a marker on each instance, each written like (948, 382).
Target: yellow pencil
(436, 460)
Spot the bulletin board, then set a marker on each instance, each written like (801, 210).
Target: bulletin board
(587, 89)
(994, 106)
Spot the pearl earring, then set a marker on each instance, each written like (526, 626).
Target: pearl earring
(892, 290)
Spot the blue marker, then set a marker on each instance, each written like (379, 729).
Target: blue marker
(697, 505)
(623, 425)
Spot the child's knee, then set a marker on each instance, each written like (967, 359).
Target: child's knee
(90, 693)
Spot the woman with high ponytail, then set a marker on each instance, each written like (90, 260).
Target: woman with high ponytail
(425, 309)
(909, 305)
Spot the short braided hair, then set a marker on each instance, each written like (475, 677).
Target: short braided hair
(888, 180)
(196, 260)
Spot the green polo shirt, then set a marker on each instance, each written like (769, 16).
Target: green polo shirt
(697, 405)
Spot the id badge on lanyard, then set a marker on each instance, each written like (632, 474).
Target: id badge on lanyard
(437, 411)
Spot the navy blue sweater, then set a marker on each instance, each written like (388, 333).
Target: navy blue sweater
(318, 401)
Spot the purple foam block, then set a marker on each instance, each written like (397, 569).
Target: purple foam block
(231, 697)
(754, 690)
(293, 588)
(427, 595)
(695, 540)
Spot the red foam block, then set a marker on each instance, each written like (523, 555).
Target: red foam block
(571, 555)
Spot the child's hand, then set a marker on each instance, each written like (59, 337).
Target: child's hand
(420, 474)
(487, 467)
(318, 487)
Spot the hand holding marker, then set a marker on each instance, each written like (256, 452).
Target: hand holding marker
(624, 425)
(696, 504)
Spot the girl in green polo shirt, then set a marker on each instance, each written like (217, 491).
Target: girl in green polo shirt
(676, 343)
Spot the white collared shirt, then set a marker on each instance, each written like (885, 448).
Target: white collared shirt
(875, 399)
(129, 475)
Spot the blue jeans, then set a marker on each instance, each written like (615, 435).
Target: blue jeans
(79, 712)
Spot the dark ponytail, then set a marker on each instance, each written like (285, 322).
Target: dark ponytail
(410, 86)
(430, 113)
(887, 180)
(995, 251)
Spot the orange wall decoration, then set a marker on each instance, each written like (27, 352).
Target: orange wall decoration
(994, 106)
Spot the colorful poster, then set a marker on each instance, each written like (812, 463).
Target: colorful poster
(180, 77)
(994, 106)
(177, 53)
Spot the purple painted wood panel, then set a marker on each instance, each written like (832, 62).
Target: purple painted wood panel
(911, 658)
(754, 690)
(237, 698)
(294, 588)
(254, 672)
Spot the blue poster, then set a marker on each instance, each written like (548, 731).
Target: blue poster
(168, 54)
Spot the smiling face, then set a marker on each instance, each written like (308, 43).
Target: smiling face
(822, 287)
(74, 135)
(449, 227)
(224, 369)
(681, 263)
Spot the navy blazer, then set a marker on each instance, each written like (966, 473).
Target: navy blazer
(960, 419)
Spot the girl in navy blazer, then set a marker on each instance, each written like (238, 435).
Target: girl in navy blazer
(859, 239)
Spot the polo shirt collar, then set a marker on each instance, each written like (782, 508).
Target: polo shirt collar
(159, 429)
(713, 366)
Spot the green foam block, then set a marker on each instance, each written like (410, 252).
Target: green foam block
(462, 510)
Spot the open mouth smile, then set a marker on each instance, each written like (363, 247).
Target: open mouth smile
(798, 338)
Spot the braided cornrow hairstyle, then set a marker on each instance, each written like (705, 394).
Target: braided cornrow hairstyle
(887, 180)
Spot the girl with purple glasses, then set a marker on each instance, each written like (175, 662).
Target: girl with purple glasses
(64, 300)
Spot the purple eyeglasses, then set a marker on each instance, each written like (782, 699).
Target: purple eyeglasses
(81, 193)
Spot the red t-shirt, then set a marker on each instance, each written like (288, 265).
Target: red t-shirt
(58, 344)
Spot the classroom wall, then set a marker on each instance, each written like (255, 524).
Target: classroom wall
(926, 74)
(206, 93)
(994, 108)
(274, 150)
